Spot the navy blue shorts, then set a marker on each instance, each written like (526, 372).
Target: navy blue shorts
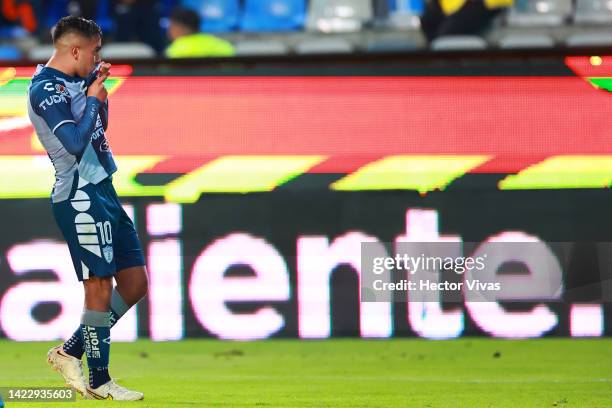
(100, 235)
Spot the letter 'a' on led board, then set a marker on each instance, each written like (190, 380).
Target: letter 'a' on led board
(210, 290)
(19, 301)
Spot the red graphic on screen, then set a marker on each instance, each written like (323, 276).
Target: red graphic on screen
(353, 120)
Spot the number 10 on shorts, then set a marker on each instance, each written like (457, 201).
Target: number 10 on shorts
(106, 233)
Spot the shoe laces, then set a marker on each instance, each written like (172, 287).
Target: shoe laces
(116, 387)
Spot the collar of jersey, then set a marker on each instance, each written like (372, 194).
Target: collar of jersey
(58, 73)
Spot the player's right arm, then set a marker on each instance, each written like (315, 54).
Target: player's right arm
(53, 105)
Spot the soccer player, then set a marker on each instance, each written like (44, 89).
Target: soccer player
(67, 104)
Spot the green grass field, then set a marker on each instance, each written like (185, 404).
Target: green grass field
(342, 373)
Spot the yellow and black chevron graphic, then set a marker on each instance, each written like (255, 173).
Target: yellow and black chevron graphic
(32, 176)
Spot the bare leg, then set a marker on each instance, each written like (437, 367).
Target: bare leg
(98, 293)
(132, 284)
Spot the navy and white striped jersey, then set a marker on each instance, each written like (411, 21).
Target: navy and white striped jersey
(71, 127)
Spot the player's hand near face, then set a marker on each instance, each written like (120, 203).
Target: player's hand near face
(97, 89)
(104, 69)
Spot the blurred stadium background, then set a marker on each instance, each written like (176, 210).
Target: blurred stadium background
(136, 28)
(254, 179)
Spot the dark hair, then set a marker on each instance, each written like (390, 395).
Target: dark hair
(78, 25)
(186, 17)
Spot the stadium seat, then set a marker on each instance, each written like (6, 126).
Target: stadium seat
(397, 44)
(458, 42)
(525, 41)
(10, 53)
(167, 6)
(324, 46)
(41, 52)
(539, 12)
(593, 12)
(590, 39)
(404, 14)
(127, 51)
(338, 15)
(13, 32)
(273, 15)
(260, 48)
(103, 15)
(217, 15)
(55, 9)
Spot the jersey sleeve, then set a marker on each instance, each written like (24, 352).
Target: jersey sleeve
(75, 137)
(104, 106)
(104, 114)
(51, 101)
